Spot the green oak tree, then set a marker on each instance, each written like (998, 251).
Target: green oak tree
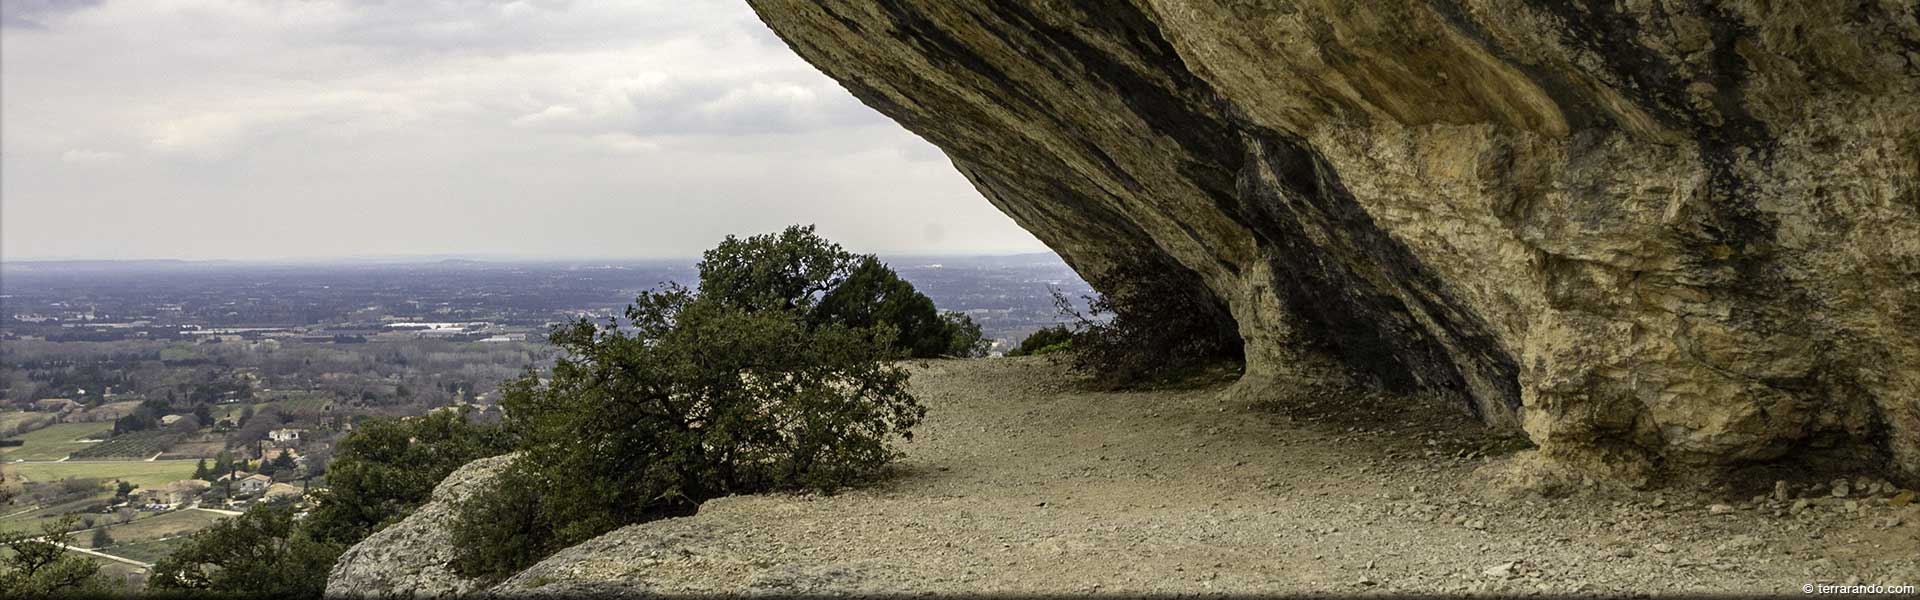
(261, 552)
(696, 399)
(40, 565)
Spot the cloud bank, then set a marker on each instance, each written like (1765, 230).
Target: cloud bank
(282, 128)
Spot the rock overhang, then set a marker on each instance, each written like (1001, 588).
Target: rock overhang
(1649, 233)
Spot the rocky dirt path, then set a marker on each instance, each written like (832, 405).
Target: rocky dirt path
(1019, 483)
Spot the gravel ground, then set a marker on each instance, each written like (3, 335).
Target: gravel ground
(1020, 482)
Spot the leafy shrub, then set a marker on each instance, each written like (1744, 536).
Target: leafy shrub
(797, 270)
(261, 552)
(1047, 340)
(1156, 323)
(101, 538)
(506, 527)
(145, 416)
(37, 565)
(388, 467)
(789, 270)
(964, 339)
(697, 399)
(872, 294)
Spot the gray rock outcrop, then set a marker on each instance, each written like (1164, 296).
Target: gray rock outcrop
(411, 558)
(1653, 234)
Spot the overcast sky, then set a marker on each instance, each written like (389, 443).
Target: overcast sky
(536, 128)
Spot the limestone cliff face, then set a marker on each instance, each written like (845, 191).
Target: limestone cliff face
(1649, 232)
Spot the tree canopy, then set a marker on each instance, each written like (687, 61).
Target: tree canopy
(796, 270)
(775, 376)
(789, 270)
(38, 565)
(262, 552)
(388, 467)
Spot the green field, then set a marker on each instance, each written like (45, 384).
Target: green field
(32, 521)
(229, 411)
(289, 401)
(130, 445)
(196, 447)
(163, 525)
(116, 574)
(142, 473)
(303, 401)
(53, 442)
(148, 551)
(119, 574)
(11, 418)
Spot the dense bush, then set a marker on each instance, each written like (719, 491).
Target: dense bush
(1157, 322)
(790, 270)
(261, 552)
(697, 399)
(388, 467)
(797, 270)
(964, 339)
(35, 564)
(872, 294)
(145, 416)
(1048, 340)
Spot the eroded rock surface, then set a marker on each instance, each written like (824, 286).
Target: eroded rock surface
(1653, 234)
(410, 558)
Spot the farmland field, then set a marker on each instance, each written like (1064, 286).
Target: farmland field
(147, 551)
(205, 446)
(117, 574)
(164, 525)
(13, 418)
(32, 520)
(132, 445)
(303, 402)
(53, 442)
(229, 411)
(121, 574)
(142, 473)
(286, 402)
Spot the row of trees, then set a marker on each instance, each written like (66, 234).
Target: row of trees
(147, 416)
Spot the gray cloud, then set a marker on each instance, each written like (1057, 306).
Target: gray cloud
(29, 14)
(203, 128)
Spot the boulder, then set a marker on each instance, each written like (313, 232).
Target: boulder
(411, 558)
(1653, 235)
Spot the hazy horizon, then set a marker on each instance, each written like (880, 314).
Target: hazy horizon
(485, 258)
(184, 129)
